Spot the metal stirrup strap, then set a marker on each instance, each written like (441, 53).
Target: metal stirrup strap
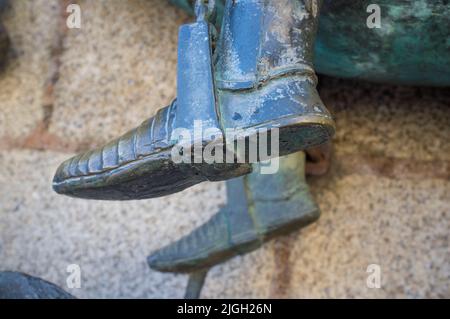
(205, 9)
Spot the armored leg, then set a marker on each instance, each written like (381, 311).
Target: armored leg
(140, 164)
(259, 208)
(263, 79)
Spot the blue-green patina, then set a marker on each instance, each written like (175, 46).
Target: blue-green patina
(412, 45)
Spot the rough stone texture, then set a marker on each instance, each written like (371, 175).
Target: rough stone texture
(385, 200)
(31, 25)
(394, 121)
(42, 232)
(125, 73)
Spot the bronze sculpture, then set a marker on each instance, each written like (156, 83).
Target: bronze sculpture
(259, 208)
(410, 46)
(252, 81)
(15, 285)
(120, 171)
(249, 80)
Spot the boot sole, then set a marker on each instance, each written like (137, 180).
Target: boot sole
(132, 181)
(297, 133)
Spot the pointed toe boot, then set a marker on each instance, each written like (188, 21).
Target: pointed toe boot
(137, 165)
(259, 208)
(258, 78)
(141, 164)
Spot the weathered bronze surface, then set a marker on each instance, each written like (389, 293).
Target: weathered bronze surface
(264, 73)
(253, 80)
(412, 46)
(259, 208)
(16, 285)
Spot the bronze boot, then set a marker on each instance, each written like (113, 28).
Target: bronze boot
(16, 285)
(259, 208)
(140, 163)
(263, 79)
